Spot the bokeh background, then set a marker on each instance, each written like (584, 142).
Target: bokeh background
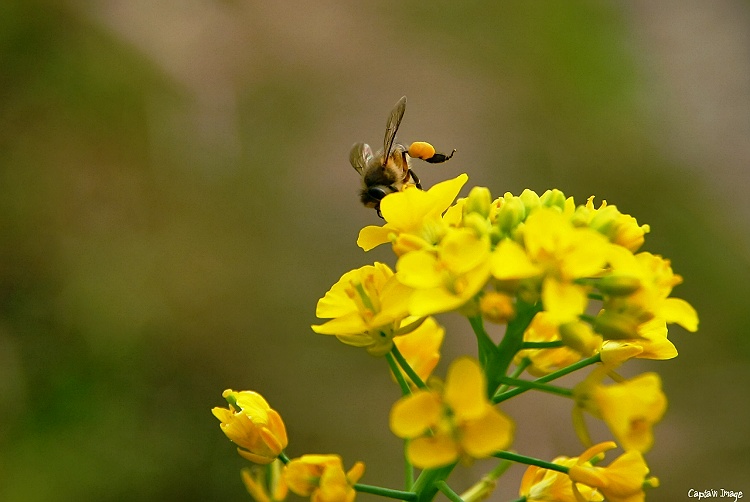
(175, 196)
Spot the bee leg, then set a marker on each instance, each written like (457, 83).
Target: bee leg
(377, 209)
(415, 178)
(439, 158)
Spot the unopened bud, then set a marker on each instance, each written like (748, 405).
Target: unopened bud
(580, 337)
(614, 353)
(618, 285)
(478, 201)
(605, 220)
(497, 307)
(530, 200)
(510, 214)
(615, 326)
(553, 198)
(478, 223)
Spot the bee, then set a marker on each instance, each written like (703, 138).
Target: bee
(389, 169)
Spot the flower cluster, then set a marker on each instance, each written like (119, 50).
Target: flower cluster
(260, 435)
(570, 290)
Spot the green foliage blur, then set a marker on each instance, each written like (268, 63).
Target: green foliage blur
(175, 196)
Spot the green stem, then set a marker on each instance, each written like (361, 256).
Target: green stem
(485, 346)
(502, 396)
(484, 487)
(425, 485)
(386, 492)
(525, 363)
(448, 491)
(513, 339)
(397, 373)
(523, 459)
(284, 459)
(489, 356)
(401, 360)
(552, 389)
(408, 469)
(587, 318)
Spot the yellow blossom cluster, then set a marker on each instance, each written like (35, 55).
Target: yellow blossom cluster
(536, 248)
(571, 290)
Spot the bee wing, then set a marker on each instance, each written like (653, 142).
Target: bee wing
(394, 120)
(359, 155)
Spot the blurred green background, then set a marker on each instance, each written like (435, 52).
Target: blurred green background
(175, 196)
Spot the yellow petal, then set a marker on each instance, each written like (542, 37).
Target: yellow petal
(543, 230)
(461, 250)
(373, 236)
(255, 487)
(412, 415)
(407, 209)
(509, 261)
(445, 192)
(631, 408)
(425, 302)
(563, 300)
(489, 433)
(429, 452)
(419, 269)
(676, 310)
(466, 389)
(421, 347)
(454, 214)
(586, 254)
(356, 472)
(256, 458)
(394, 301)
(251, 402)
(345, 325)
(625, 476)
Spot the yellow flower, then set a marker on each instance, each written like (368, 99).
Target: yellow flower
(457, 423)
(265, 483)
(366, 307)
(651, 344)
(448, 278)
(621, 229)
(565, 253)
(656, 279)
(322, 478)
(629, 408)
(421, 348)
(413, 217)
(253, 426)
(544, 485)
(620, 481)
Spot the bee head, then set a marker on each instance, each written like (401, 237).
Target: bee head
(372, 195)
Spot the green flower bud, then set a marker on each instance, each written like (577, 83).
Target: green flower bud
(553, 198)
(530, 200)
(478, 201)
(478, 223)
(615, 326)
(606, 221)
(511, 213)
(618, 285)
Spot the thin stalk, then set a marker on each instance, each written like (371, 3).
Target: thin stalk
(502, 396)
